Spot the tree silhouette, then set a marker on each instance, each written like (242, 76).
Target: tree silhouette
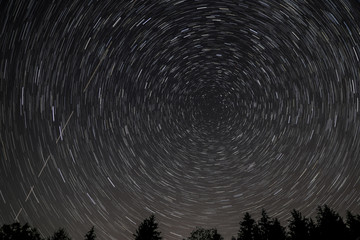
(248, 228)
(353, 224)
(265, 229)
(60, 234)
(329, 224)
(16, 232)
(90, 235)
(298, 227)
(148, 230)
(205, 234)
(277, 232)
(313, 230)
(264, 225)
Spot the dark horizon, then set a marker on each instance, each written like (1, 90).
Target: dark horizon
(327, 225)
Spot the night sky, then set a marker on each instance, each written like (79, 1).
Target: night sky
(196, 111)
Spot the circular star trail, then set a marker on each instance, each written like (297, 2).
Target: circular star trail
(196, 111)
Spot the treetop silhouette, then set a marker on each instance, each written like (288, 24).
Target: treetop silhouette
(90, 235)
(17, 231)
(329, 225)
(60, 234)
(147, 230)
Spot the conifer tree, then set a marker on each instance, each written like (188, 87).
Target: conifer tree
(329, 224)
(17, 231)
(264, 225)
(248, 228)
(298, 226)
(90, 235)
(277, 232)
(147, 230)
(60, 234)
(353, 224)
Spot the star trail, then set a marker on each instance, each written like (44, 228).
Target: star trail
(196, 111)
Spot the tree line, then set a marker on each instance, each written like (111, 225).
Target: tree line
(16, 231)
(328, 225)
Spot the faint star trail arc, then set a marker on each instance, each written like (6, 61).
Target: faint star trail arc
(60, 135)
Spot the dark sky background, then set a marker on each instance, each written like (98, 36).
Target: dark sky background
(196, 111)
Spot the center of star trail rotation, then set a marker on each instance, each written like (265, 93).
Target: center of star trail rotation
(196, 111)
